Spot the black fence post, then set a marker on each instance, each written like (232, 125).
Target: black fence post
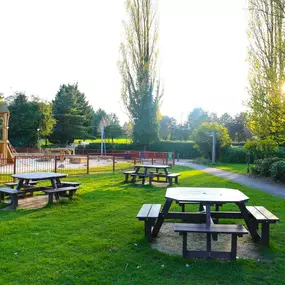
(113, 163)
(55, 163)
(87, 170)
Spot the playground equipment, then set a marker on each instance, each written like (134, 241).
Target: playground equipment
(61, 151)
(7, 151)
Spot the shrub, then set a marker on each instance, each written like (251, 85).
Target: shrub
(262, 167)
(202, 160)
(278, 171)
(233, 155)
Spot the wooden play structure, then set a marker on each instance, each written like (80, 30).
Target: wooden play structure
(60, 151)
(7, 151)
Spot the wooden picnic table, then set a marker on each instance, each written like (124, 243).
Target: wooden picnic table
(157, 171)
(206, 220)
(146, 167)
(24, 178)
(206, 197)
(57, 188)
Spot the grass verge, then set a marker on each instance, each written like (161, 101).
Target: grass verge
(96, 239)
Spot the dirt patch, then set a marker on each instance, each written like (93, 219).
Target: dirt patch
(170, 242)
(31, 202)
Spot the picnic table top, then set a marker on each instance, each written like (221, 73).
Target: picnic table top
(152, 165)
(212, 195)
(39, 175)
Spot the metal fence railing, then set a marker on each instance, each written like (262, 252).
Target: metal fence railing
(77, 164)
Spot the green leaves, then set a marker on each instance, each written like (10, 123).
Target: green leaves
(203, 139)
(73, 115)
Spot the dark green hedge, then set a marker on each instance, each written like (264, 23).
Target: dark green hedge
(233, 155)
(237, 154)
(185, 149)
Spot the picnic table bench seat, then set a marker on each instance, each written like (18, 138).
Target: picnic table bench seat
(14, 184)
(169, 177)
(62, 191)
(127, 173)
(234, 230)
(69, 183)
(148, 213)
(143, 176)
(172, 176)
(14, 196)
(261, 215)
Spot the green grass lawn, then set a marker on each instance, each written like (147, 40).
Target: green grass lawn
(233, 167)
(96, 239)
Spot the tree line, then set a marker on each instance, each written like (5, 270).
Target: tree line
(68, 117)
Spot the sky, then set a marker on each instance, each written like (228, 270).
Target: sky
(203, 51)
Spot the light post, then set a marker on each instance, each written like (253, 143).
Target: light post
(213, 134)
(38, 137)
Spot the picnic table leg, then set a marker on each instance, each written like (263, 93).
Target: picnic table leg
(265, 234)
(14, 201)
(249, 223)
(161, 218)
(234, 247)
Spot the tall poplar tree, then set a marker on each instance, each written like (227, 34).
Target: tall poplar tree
(267, 64)
(141, 91)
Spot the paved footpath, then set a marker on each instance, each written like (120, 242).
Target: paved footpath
(257, 183)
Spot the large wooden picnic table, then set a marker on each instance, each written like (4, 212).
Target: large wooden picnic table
(206, 197)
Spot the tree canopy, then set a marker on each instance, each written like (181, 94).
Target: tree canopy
(72, 113)
(267, 63)
(141, 92)
(29, 120)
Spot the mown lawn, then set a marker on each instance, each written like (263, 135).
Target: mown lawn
(233, 167)
(96, 239)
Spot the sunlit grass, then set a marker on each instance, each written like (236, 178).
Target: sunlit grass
(96, 239)
(233, 167)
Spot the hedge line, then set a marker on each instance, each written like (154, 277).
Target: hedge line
(234, 154)
(184, 149)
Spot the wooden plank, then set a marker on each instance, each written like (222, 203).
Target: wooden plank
(129, 172)
(8, 190)
(256, 213)
(266, 213)
(143, 213)
(154, 211)
(206, 195)
(215, 228)
(61, 189)
(173, 174)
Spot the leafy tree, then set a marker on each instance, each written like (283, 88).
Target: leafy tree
(97, 118)
(196, 118)
(267, 63)
(167, 127)
(26, 117)
(225, 120)
(128, 129)
(203, 139)
(141, 92)
(71, 120)
(113, 128)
